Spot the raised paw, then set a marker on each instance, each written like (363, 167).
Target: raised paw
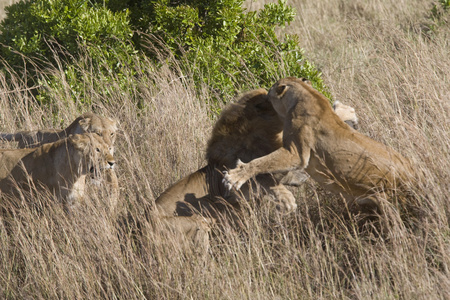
(235, 178)
(226, 181)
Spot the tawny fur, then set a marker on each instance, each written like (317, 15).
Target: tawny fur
(247, 129)
(346, 113)
(194, 229)
(60, 167)
(86, 123)
(315, 139)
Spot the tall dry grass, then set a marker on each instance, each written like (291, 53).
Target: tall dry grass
(3, 4)
(374, 56)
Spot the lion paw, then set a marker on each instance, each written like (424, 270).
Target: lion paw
(235, 178)
(284, 198)
(295, 178)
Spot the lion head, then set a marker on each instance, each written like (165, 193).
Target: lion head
(91, 123)
(346, 113)
(91, 153)
(88, 155)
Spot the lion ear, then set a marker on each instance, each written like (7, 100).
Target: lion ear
(84, 123)
(281, 89)
(336, 104)
(306, 80)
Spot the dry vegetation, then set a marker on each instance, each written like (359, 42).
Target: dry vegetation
(377, 57)
(3, 4)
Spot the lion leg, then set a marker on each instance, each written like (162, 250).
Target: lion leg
(284, 198)
(195, 229)
(277, 161)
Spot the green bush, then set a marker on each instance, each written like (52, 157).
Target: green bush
(437, 16)
(57, 31)
(30, 25)
(439, 9)
(225, 46)
(217, 42)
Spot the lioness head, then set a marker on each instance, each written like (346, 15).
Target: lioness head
(92, 152)
(102, 126)
(346, 113)
(278, 91)
(287, 92)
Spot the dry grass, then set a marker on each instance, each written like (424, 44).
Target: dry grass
(374, 56)
(3, 4)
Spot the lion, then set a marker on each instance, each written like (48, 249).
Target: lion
(86, 123)
(346, 113)
(247, 129)
(60, 167)
(315, 139)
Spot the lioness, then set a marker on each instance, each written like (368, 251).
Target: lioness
(315, 139)
(60, 167)
(346, 113)
(247, 130)
(88, 122)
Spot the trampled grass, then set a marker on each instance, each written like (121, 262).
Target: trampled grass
(380, 57)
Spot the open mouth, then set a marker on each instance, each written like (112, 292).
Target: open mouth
(95, 176)
(94, 172)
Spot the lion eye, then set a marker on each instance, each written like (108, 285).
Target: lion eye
(99, 133)
(112, 133)
(97, 149)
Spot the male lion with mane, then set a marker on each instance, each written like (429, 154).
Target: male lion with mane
(315, 139)
(60, 167)
(247, 129)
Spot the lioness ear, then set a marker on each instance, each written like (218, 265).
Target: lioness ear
(84, 123)
(306, 80)
(281, 89)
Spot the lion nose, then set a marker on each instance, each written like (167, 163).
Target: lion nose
(111, 164)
